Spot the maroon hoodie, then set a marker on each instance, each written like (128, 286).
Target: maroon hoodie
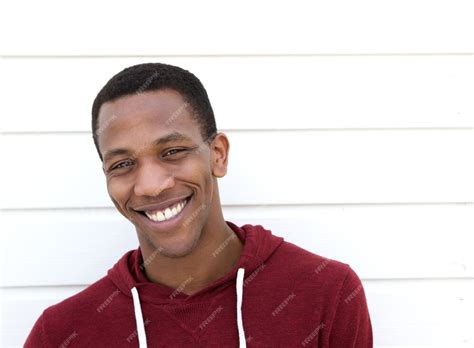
(277, 294)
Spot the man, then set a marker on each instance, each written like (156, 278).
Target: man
(196, 280)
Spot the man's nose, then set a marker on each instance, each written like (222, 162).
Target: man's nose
(152, 178)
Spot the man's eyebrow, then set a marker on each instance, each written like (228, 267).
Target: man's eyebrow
(174, 136)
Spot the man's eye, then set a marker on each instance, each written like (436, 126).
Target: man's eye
(173, 152)
(120, 165)
(123, 164)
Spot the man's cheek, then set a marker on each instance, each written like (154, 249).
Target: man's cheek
(119, 207)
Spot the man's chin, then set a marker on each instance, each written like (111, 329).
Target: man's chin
(175, 246)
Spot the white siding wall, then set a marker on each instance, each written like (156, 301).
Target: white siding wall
(366, 110)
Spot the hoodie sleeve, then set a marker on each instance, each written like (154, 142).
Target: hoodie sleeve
(351, 326)
(36, 337)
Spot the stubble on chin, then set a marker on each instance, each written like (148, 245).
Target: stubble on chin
(165, 250)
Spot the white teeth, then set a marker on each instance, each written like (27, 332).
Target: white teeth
(159, 216)
(168, 213)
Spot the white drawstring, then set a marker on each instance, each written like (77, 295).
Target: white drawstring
(139, 319)
(141, 327)
(239, 288)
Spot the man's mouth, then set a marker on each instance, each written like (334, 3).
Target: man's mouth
(168, 213)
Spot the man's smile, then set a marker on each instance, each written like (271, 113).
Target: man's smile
(168, 218)
(166, 214)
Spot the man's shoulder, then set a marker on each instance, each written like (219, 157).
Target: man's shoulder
(302, 257)
(306, 264)
(59, 321)
(93, 296)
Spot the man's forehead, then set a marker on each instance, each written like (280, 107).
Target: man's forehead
(146, 132)
(166, 105)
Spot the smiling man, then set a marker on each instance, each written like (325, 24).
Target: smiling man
(162, 175)
(196, 280)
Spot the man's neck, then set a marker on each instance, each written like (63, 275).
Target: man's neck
(216, 254)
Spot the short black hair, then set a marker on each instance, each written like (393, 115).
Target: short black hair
(155, 76)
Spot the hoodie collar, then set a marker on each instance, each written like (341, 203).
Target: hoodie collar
(258, 245)
(142, 341)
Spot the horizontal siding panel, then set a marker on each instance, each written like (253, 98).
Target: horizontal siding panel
(413, 241)
(422, 312)
(404, 313)
(216, 28)
(293, 167)
(259, 92)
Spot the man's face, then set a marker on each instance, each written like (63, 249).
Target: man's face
(160, 172)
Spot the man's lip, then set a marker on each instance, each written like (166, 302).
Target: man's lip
(175, 223)
(162, 205)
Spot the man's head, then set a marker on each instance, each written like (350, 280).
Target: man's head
(155, 132)
(155, 76)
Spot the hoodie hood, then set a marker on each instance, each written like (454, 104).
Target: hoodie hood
(258, 245)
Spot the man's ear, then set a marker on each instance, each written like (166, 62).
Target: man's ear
(219, 155)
